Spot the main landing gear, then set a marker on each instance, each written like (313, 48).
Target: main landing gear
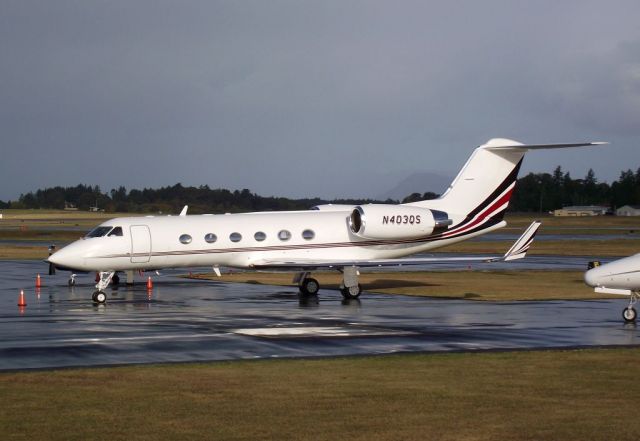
(350, 288)
(309, 286)
(629, 313)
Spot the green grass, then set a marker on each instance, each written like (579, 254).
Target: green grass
(13, 218)
(42, 235)
(558, 395)
(23, 252)
(584, 222)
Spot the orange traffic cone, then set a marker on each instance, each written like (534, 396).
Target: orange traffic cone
(21, 300)
(38, 281)
(149, 283)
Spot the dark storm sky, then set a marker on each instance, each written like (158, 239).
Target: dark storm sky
(297, 98)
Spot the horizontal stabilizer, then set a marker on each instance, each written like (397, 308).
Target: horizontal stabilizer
(500, 144)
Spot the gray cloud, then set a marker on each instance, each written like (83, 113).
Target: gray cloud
(308, 98)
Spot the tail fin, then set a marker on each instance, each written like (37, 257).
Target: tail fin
(484, 186)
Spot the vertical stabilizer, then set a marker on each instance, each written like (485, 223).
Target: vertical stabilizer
(480, 194)
(485, 183)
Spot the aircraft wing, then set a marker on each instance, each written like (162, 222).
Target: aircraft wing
(517, 251)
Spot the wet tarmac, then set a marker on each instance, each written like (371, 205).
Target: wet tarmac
(187, 320)
(533, 262)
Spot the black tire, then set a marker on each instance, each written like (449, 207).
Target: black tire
(309, 286)
(351, 293)
(99, 297)
(629, 314)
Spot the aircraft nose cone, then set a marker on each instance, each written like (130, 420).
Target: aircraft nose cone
(591, 277)
(57, 258)
(66, 258)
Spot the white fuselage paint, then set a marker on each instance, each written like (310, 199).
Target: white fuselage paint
(619, 274)
(332, 239)
(474, 203)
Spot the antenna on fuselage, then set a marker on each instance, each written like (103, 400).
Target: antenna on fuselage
(184, 210)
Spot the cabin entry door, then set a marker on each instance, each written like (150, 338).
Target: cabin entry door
(140, 244)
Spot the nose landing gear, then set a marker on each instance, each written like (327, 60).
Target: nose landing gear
(99, 297)
(629, 313)
(104, 279)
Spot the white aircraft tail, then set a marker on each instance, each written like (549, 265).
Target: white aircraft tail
(480, 194)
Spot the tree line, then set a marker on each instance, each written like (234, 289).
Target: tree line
(535, 192)
(543, 192)
(169, 199)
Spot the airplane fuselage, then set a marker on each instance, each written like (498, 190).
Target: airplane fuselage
(338, 237)
(239, 240)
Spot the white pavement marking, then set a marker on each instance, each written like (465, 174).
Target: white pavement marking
(319, 331)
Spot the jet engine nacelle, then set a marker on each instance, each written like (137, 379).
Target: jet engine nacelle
(381, 221)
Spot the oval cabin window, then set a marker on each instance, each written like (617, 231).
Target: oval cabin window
(284, 235)
(308, 234)
(210, 238)
(259, 236)
(185, 239)
(235, 237)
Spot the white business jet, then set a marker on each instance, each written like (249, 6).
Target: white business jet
(340, 237)
(620, 277)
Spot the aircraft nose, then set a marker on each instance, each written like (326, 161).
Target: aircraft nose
(56, 258)
(66, 258)
(592, 277)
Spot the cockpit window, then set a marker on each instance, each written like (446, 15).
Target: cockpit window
(99, 232)
(117, 231)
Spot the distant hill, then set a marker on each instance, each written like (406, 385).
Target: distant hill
(419, 182)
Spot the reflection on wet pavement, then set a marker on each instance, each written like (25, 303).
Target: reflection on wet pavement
(186, 320)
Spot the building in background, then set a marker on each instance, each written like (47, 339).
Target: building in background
(579, 210)
(628, 210)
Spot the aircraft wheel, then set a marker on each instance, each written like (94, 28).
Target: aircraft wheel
(352, 292)
(629, 314)
(309, 286)
(99, 297)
